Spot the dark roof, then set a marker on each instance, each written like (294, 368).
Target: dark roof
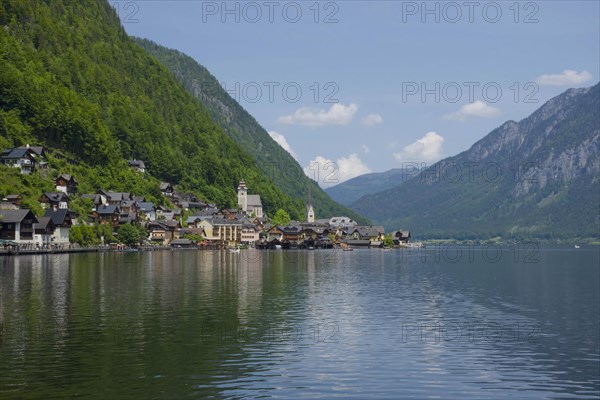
(39, 150)
(165, 186)
(16, 154)
(181, 242)
(42, 223)
(13, 197)
(118, 196)
(225, 221)
(145, 206)
(58, 216)
(15, 216)
(66, 177)
(108, 209)
(56, 196)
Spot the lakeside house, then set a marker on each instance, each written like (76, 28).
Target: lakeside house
(62, 223)
(17, 225)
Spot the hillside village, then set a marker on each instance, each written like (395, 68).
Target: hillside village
(191, 222)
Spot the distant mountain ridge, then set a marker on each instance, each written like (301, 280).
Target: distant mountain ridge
(535, 178)
(353, 189)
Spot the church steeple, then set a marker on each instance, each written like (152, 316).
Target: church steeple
(310, 212)
(242, 196)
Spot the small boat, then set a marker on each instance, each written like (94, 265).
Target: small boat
(387, 249)
(348, 249)
(577, 246)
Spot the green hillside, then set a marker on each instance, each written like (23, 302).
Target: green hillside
(274, 161)
(72, 80)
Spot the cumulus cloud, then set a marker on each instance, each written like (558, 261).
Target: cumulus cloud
(280, 139)
(372, 120)
(329, 173)
(427, 149)
(567, 78)
(475, 109)
(338, 114)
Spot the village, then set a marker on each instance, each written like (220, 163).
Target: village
(190, 223)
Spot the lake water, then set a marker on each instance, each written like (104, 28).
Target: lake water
(446, 322)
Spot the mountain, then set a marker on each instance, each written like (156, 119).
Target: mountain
(275, 163)
(353, 189)
(537, 178)
(72, 80)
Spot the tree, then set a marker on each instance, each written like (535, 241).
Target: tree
(388, 240)
(194, 237)
(129, 235)
(281, 218)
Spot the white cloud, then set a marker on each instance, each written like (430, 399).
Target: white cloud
(567, 78)
(366, 148)
(280, 139)
(427, 149)
(372, 120)
(338, 114)
(476, 109)
(329, 173)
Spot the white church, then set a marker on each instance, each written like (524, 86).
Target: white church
(249, 203)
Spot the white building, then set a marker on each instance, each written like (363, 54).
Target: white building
(249, 203)
(310, 211)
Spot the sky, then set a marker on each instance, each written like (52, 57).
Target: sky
(351, 87)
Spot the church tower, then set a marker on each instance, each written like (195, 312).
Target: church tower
(243, 196)
(310, 212)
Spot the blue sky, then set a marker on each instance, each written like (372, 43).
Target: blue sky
(370, 85)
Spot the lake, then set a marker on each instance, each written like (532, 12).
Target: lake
(442, 322)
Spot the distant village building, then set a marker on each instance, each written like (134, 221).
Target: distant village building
(310, 212)
(22, 158)
(54, 200)
(341, 222)
(14, 199)
(166, 189)
(249, 203)
(66, 183)
(137, 165)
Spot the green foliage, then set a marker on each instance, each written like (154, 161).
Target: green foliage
(281, 218)
(388, 240)
(83, 235)
(30, 187)
(193, 237)
(72, 80)
(129, 235)
(104, 233)
(83, 207)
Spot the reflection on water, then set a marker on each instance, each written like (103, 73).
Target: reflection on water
(315, 324)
